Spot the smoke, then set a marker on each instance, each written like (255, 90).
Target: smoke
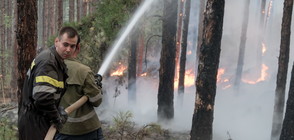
(246, 115)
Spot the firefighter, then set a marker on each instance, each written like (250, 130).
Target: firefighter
(44, 86)
(83, 123)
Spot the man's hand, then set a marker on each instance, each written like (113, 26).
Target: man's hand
(63, 114)
(62, 117)
(98, 80)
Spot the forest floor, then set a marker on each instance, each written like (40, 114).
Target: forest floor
(120, 128)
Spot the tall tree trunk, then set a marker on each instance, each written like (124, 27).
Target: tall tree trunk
(200, 32)
(282, 70)
(51, 16)
(14, 74)
(79, 10)
(184, 52)
(132, 70)
(141, 50)
(179, 33)
(287, 129)
(242, 46)
(40, 42)
(71, 10)
(60, 14)
(85, 8)
(9, 37)
(207, 71)
(3, 40)
(26, 35)
(45, 22)
(167, 61)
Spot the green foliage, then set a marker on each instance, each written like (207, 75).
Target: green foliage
(99, 30)
(124, 128)
(123, 123)
(7, 129)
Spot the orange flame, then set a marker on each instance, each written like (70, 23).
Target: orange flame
(189, 79)
(143, 74)
(120, 70)
(220, 72)
(262, 77)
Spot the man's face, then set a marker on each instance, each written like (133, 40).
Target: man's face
(65, 46)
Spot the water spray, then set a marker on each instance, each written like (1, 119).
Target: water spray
(139, 12)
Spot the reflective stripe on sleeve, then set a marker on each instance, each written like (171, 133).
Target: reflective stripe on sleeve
(82, 118)
(49, 80)
(95, 98)
(43, 88)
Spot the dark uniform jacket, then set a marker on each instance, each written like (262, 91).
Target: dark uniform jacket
(43, 87)
(81, 82)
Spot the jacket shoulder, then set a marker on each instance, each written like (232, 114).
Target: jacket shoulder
(77, 72)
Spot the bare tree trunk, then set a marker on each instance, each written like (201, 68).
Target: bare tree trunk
(85, 8)
(141, 50)
(71, 10)
(287, 130)
(282, 70)
(3, 40)
(167, 61)
(14, 74)
(60, 14)
(242, 46)
(184, 52)
(207, 71)
(9, 33)
(45, 23)
(200, 32)
(132, 70)
(79, 10)
(26, 35)
(179, 32)
(40, 25)
(51, 16)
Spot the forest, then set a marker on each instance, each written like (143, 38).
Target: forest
(172, 69)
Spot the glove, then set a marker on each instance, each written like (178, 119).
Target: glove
(98, 79)
(62, 117)
(58, 124)
(63, 114)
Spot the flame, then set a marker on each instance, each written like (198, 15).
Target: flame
(220, 72)
(189, 79)
(262, 77)
(222, 82)
(120, 70)
(143, 74)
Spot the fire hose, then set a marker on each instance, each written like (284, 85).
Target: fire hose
(52, 130)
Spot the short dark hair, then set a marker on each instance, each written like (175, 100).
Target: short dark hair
(70, 31)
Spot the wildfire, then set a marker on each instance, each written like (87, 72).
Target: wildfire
(223, 82)
(143, 74)
(220, 72)
(189, 79)
(262, 77)
(120, 70)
